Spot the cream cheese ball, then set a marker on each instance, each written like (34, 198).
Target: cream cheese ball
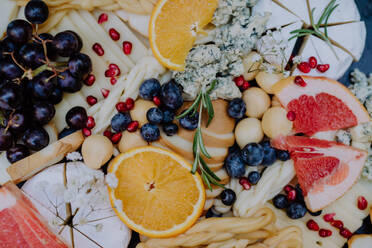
(257, 101)
(275, 102)
(275, 122)
(247, 131)
(140, 109)
(96, 151)
(251, 65)
(266, 80)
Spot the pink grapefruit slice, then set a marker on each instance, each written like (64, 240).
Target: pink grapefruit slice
(325, 170)
(322, 104)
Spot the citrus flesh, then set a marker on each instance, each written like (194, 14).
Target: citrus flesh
(158, 195)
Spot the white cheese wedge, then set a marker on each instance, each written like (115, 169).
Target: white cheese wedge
(4, 164)
(8, 11)
(323, 53)
(297, 7)
(138, 22)
(279, 16)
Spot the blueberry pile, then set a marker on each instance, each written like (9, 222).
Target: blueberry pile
(32, 81)
(292, 202)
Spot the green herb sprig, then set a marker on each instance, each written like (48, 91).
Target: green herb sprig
(202, 101)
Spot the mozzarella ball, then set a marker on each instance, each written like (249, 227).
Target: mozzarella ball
(275, 102)
(96, 151)
(131, 140)
(247, 131)
(266, 80)
(257, 101)
(140, 109)
(275, 122)
(251, 65)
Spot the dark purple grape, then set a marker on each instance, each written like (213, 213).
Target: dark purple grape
(19, 31)
(56, 96)
(42, 112)
(6, 139)
(18, 122)
(67, 43)
(9, 70)
(32, 55)
(36, 12)
(36, 138)
(80, 42)
(80, 65)
(68, 83)
(76, 117)
(43, 85)
(8, 45)
(51, 51)
(10, 96)
(17, 153)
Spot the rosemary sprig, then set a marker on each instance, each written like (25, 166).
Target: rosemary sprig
(203, 100)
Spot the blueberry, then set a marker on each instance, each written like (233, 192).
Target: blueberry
(252, 154)
(170, 129)
(212, 213)
(150, 132)
(269, 155)
(149, 88)
(120, 122)
(280, 201)
(154, 115)
(299, 193)
(254, 177)
(282, 155)
(168, 116)
(190, 121)
(236, 108)
(296, 210)
(171, 95)
(234, 165)
(228, 197)
(234, 148)
(315, 213)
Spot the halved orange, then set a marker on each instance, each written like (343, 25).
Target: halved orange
(156, 194)
(174, 26)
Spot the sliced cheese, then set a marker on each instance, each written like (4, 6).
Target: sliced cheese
(4, 164)
(8, 12)
(297, 7)
(137, 21)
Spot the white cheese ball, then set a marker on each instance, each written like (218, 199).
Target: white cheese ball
(140, 109)
(266, 80)
(96, 151)
(247, 131)
(275, 122)
(131, 140)
(251, 65)
(257, 101)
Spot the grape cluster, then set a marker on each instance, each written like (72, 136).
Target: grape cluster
(34, 73)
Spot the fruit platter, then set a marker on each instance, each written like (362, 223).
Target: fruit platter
(172, 123)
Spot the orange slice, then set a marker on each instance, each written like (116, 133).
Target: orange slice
(174, 26)
(156, 194)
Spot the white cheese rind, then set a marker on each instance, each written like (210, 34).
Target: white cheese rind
(297, 7)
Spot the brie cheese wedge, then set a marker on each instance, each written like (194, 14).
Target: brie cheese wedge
(8, 12)
(297, 7)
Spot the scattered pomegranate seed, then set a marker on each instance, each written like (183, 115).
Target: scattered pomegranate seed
(89, 81)
(245, 86)
(291, 115)
(288, 188)
(304, 67)
(156, 100)
(323, 68)
(338, 224)
(129, 103)
(90, 122)
(329, 217)
(133, 126)
(244, 182)
(312, 225)
(300, 81)
(116, 138)
(113, 71)
(362, 203)
(113, 80)
(127, 47)
(291, 196)
(91, 100)
(105, 92)
(114, 34)
(121, 107)
(313, 62)
(325, 233)
(239, 81)
(97, 48)
(102, 18)
(87, 132)
(344, 232)
(108, 134)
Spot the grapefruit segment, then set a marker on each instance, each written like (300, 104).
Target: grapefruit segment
(325, 169)
(322, 105)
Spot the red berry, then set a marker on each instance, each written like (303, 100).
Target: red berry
(325, 233)
(116, 138)
(121, 107)
(362, 203)
(304, 67)
(102, 18)
(344, 232)
(108, 134)
(245, 86)
(288, 188)
(97, 48)
(133, 126)
(338, 224)
(91, 100)
(239, 81)
(329, 217)
(291, 195)
(244, 182)
(300, 81)
(323, 68)
(114, 34)
(89, 81)
(129, 103)
(113, 80)
(291, 115)
(105, 92)
(312, 225)
(87, 132)
(90, 122)
(127, 47)
(313, 62)
(156, 100)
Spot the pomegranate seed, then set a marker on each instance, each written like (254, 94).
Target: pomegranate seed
(291, 195)
(291, 115)
(245, 86)
(121, 107)
(113, 80)
(133, 126)
(89, 81)
(87, 132)
(313, 62)
(102, 18)
(323, 68)
(97, 48)
(91, 100)
(344, 232)
(325, 233)
(113, 70)
(127, 47)
(108, 134)
(129, 103)
(116, 138)
(304, 67)
(300, 81)
(90, 122)
(105, 92)
(239, 81)
(329, 217)
(288, 188)
(338, 224)
(312, 225)
(114, 34)
(362, 203)
(156, 100)
(244, 182)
